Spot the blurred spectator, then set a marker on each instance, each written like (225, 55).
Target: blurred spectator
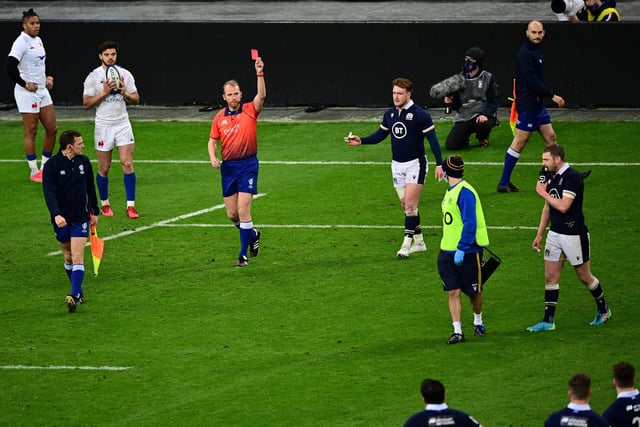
(600, 10)
(567, 10)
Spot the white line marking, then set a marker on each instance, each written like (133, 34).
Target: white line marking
(320, 162)
(515, 227)
(56, 368)
(168, 222)
(158, 224)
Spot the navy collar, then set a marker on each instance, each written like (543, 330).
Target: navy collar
(228, 112)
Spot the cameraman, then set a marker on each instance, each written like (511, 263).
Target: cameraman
(476, 105)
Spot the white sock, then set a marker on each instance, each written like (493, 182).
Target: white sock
(457, 328)
(477, 319)
(33, 165)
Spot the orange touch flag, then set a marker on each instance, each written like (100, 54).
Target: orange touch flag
(513, 117)
(97, 249)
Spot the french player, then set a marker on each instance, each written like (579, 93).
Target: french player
(27, 66)
(112, 125)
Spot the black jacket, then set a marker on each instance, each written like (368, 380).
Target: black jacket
(69, 189)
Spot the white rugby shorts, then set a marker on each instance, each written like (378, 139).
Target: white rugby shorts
(32, 102)
(106, 138)
(573, 248)
(406, 173)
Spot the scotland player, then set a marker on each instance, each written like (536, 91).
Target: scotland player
(625, 411)
(568, 237)
(408, 125)
(577, 412)
(437, 413)
(27, 66)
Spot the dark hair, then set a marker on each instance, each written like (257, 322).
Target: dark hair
(624, 374)
(107, 45)
(68, 137)
(555, 150)
(28, 14)
(432, 391)
(403, 83)
(580, 384)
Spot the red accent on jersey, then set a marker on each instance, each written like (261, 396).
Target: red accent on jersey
(238, 132)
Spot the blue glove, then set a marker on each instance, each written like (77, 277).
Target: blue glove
(458, 258)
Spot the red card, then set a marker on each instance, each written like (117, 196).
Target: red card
(254, 54)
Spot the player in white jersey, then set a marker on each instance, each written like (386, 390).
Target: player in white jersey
(112, 125)
(27, 67)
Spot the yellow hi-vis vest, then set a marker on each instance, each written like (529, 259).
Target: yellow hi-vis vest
(602, 14)
(452, 219)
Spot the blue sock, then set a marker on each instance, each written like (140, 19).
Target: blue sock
(67, 269)
(130, 186)
(77, 276)
(103, 186)
(246, 234)
(510, 160)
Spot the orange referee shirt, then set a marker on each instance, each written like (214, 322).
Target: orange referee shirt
(237, 131)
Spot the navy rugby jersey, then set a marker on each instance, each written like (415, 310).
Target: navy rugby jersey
(407, 130)
(575, 415)
(567, 181)
(441, 415)
(624, 410)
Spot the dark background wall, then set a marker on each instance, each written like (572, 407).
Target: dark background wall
(331, 64)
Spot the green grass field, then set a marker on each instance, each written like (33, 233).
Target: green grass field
(326, 327)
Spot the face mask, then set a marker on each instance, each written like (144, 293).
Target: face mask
(593, 8)
(470, 66)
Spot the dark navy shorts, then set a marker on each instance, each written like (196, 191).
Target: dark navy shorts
(464, 277)
(530, 121)
(65, 233)
(239, 176)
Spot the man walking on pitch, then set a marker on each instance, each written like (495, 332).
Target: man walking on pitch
(530, 91)
(464, 234)
(409, 124)
(568, 238)
(235, 126)
(70, 194)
